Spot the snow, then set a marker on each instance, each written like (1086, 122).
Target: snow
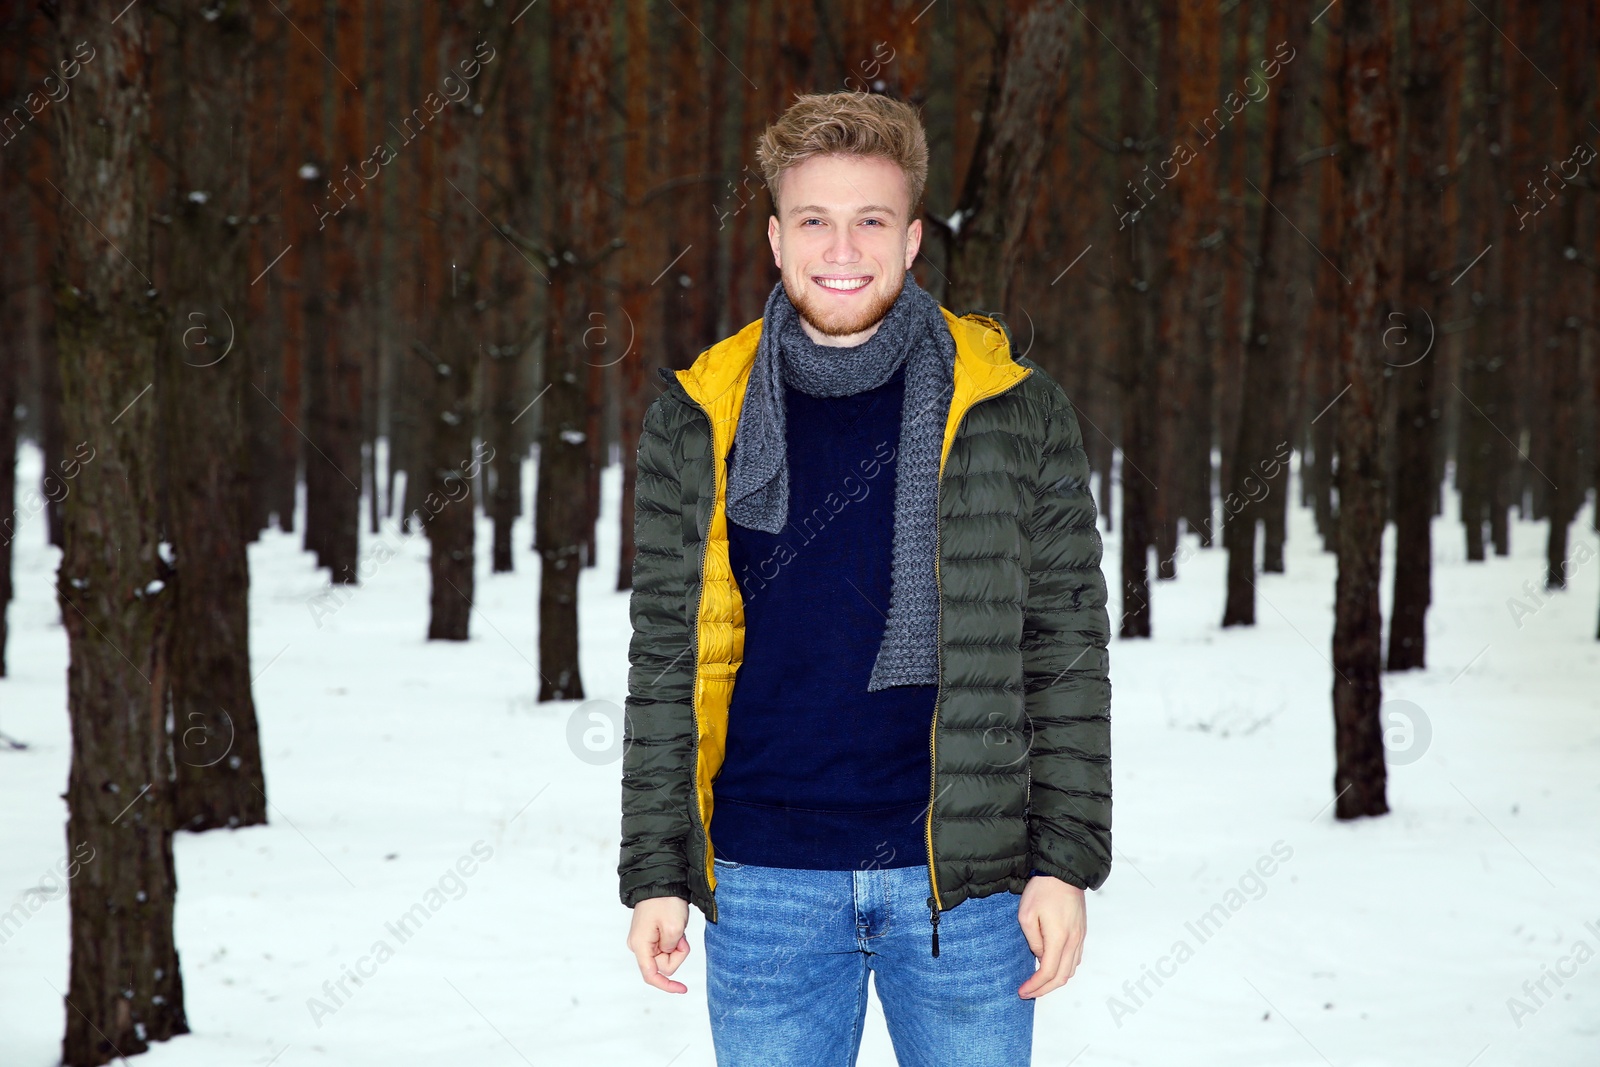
(438, 880)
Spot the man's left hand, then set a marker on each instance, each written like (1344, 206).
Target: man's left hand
(1053, 920)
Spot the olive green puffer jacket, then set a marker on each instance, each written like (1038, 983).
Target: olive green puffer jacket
(1021, 734)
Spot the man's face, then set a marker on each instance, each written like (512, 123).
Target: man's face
(843, 243)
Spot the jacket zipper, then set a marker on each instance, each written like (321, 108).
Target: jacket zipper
(933, 726)
(694, 683)
(935, 904)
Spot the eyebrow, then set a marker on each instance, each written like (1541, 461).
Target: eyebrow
(869, 209)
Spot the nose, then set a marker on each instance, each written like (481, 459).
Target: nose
(843, 248)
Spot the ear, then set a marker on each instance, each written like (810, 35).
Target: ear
(772, 239)
(913, 241)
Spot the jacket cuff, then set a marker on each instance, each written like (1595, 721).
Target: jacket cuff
(647, 892)
(1058, 872)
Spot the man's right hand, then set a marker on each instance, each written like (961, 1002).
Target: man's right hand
(656, 938)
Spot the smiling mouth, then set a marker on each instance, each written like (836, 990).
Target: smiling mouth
(844, 285)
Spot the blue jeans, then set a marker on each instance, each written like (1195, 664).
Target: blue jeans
(787, 965)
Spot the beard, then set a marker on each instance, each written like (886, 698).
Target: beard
(840, 322)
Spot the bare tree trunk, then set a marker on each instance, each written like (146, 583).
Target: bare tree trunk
(9, 359)
(1367, 158)
(202, 376)
(414, 374)
(334, 393)
(1187, 326)
(272, 469)
(1326, 318)
(737, 204)
(305, 325)
(124, 990)
(375, 263)
(641, 257)
(1026, 92)
(507, 155)
(46, 231)
(450, 462)
(1478, 443)
(578, 64)
(1525, 113)
(1133, 273)
(1104, 358)
(13, 343)
(1168, 279)
(1414, 353)
(685, 271)
(1261, 443)
(1571, 303)
(718, 82)
(1237, 251)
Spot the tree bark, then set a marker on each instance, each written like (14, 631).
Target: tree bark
(1414, 352)
(1326, 317)
(124, 989)
(1168, 278)
(1132, 273)
(1479, 445)
(450, 462)
(335, 200)
(1235, 324)
(202, 374)
(1571, 296)
(1367, 158)
(273, 472)
(685, 274)
(509, 152)
(641, 259)
(340, 387)
(301, 270)
(9, 359)
(578, 65)
(1026, 92)
(1192, 38)
(13, 343)
(1261, 444)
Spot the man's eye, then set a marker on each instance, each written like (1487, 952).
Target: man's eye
(873, 222)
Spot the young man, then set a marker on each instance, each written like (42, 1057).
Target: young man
(868, 716)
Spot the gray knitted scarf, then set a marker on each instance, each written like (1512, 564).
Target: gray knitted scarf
(913, 333)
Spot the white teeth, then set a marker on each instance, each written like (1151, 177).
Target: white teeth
(843, 285)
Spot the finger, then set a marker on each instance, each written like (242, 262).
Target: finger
(1069, 962)
(1031, 931)
(665, 984)
(1049, 963)
(1055, 981)
(667, 962)
(649, 969)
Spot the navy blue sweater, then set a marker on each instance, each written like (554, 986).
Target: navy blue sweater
(819, 773)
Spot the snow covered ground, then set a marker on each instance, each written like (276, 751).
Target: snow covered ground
(1241, 924)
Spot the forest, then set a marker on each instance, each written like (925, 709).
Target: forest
(316, 271)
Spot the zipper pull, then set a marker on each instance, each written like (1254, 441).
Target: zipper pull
(933, 917)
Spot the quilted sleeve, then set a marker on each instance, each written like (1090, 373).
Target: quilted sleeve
(658, 740)
(1065, 662)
